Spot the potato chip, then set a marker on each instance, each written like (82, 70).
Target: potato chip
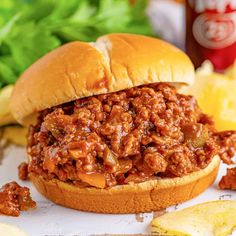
(215, 94)
(5, 114)
(11, 230)
(217, 218)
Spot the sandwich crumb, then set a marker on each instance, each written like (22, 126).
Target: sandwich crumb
(159, 213)
(23, 171)
(229, 180)
(139, 217)
(15, 198)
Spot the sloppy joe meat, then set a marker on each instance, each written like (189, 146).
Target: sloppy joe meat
(23, 171)
(14, 198)
(229, 180)
(133, 135)
(227, 143)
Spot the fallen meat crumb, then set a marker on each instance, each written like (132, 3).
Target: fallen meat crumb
(23, 171)
(229, 180)
(14, 198)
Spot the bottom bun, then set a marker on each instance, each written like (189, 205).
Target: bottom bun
(147, 196)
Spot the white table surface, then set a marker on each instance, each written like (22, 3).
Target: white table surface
(52, 220)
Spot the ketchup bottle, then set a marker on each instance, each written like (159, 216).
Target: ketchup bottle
(211, 32)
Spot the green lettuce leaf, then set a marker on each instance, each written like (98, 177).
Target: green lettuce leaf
(31, 28)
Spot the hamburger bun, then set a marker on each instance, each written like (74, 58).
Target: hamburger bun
(78, 69)
(147, 196)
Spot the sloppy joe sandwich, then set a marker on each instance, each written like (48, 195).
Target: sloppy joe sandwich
(112, 133)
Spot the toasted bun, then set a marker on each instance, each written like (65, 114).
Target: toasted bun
(114, 62)
(131, 198)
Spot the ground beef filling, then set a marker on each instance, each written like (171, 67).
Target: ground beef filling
(14, 198)
(23, 171)
(127, 136)
(229, 180)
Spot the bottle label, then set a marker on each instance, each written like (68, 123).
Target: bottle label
(219, 6)
(215, 30)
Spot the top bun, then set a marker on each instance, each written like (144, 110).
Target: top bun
(79, 69)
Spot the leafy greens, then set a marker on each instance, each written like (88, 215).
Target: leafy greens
(31, 28)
